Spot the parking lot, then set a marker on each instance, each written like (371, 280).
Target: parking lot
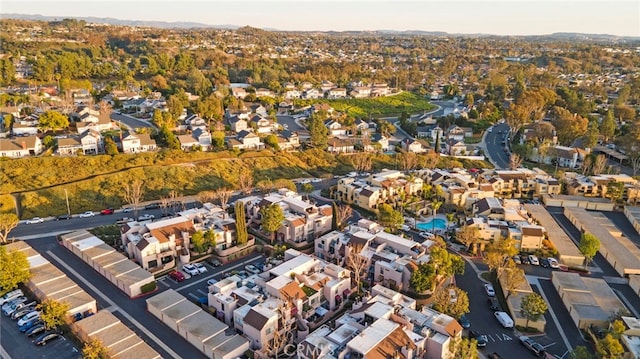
(23, 347)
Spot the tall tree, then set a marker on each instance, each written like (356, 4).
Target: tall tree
(609, 347)
(533, 307)
(599, 164)
(452, 301)
(245, 180)
(513, 278)
(133, 193)
(8, 221)
(588, 246)
(569, 126)
(498, 252)
(515, 161)
(590, 139)
(608, 126)
(7, 71)
(423, 278)
(468, 235)
(241, 223)
(272, 218)
(223, 195)
(318, 132)
(53, 313)
(307, 188)
(357, 263)
(14, 269)
(52, 120)
(389, 217)
(198, 242)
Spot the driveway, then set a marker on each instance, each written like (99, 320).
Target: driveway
(131, 121)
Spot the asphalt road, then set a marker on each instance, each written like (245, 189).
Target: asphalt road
(494, 146)
(292, 125)
(130, 121)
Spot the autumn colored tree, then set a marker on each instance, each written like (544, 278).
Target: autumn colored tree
(53, 313)
(532, 308)
(8, 221)
(14, 269)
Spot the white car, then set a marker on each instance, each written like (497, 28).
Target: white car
(34, 220)
(146, 217)
(252, 269)
(316, 180)
(28, 317)
(127, 209)
(426, 235)
(534, 260)
(86, 214)
(306, 180)
(190, 269)
(200, 267)
(211, 282)
(489, 289)
(553, 263)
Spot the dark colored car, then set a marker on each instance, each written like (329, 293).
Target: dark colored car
(215, 262)
(464, 322)
(525, 259)
(152, 206)
(107, 211)
(177, 276)
(35, 330)
(481, 339)
(43, 339)
(63, 217)
(494, 304)
(544, 263)
(30, 324)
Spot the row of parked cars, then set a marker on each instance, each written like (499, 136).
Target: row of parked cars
(24, 312)
(534, 260)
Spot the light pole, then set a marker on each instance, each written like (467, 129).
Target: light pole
(66, 196)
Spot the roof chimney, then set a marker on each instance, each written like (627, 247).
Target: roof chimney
(24, 145)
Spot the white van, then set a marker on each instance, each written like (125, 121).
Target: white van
(504, 319)
(10, 296)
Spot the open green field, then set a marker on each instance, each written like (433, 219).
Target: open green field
(378, 106)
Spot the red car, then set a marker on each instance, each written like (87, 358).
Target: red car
(177, 276)
(107, 211)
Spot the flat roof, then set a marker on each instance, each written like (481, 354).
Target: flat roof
(217, 340)
(372, 335)
(565, 197)
(290, 265)
(626, 253)
(230, 346)
(180, 311)
(203, 326)
(166, 299)
(98, 251)
(46, 273)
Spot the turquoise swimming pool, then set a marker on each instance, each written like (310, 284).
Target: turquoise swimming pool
(437, 223)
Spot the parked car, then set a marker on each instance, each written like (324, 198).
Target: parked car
(106, 211)
(124, 220)
(86, 214)
(33, 315)
(215, 262)
(494, 304)
(464, 321)
(152, 206)
(489, 289)
(553, 263)
(63, 217)
(243, 274)
(9, 296)
(211, 282)
(524, 259)
(504, 319)
(252, 269)
(516, 260)
(544, 263)
(200, 267)
(34, 220)
(35, 330)
(146, 217)
(481, 339)
(534, 260)
(29, 325)
(19, 313)
(177, 276)
(9, 311)
(14, 302)
(533, 346)
(190, 269)
(43, 339)
(127, 209)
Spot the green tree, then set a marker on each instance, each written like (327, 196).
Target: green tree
(307, 188)
(466, 348)
(389, 217)
(468, 235)
(588, 246)
(210, 238)
(110, 146)
(533, 307)
(8, 221)
(609, 347)
(272, 141)
(423, 278)
(53, 313)
(52, 120)
(569, 126)
(617, 328)
(48, 141)
(615, 190)
(198, 242)
(580, 352)
(513, 278)
(590, 139)
(217, 139)
(94, 349)
(452, 301)
(7, 71)
(272, 218)
(608, 126)
(241, 223)
(318, 132)
(498, 253)
(14, 269)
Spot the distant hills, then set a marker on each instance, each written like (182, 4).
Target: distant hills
(567, 36)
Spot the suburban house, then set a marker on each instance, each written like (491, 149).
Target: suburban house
(102, 123)
(245, 140)
(134, 143)
(288, 140)
(261, 124)
(155, 245)
(335, 93)
(21, 129)
(325, 86)
(88, 143)
(263, 92)
(360, 92)
(457, 148)
(20, 147)
(238, 124)
(341, 145)
(380, 140)
(458, 133)
(238, 92)
(312, 94)
(410, 145)
(291, 94)
(335, 128)
(198, 138)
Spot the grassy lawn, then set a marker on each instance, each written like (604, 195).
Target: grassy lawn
(378, 106)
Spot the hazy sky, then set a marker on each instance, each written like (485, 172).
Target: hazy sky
(506, 17)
